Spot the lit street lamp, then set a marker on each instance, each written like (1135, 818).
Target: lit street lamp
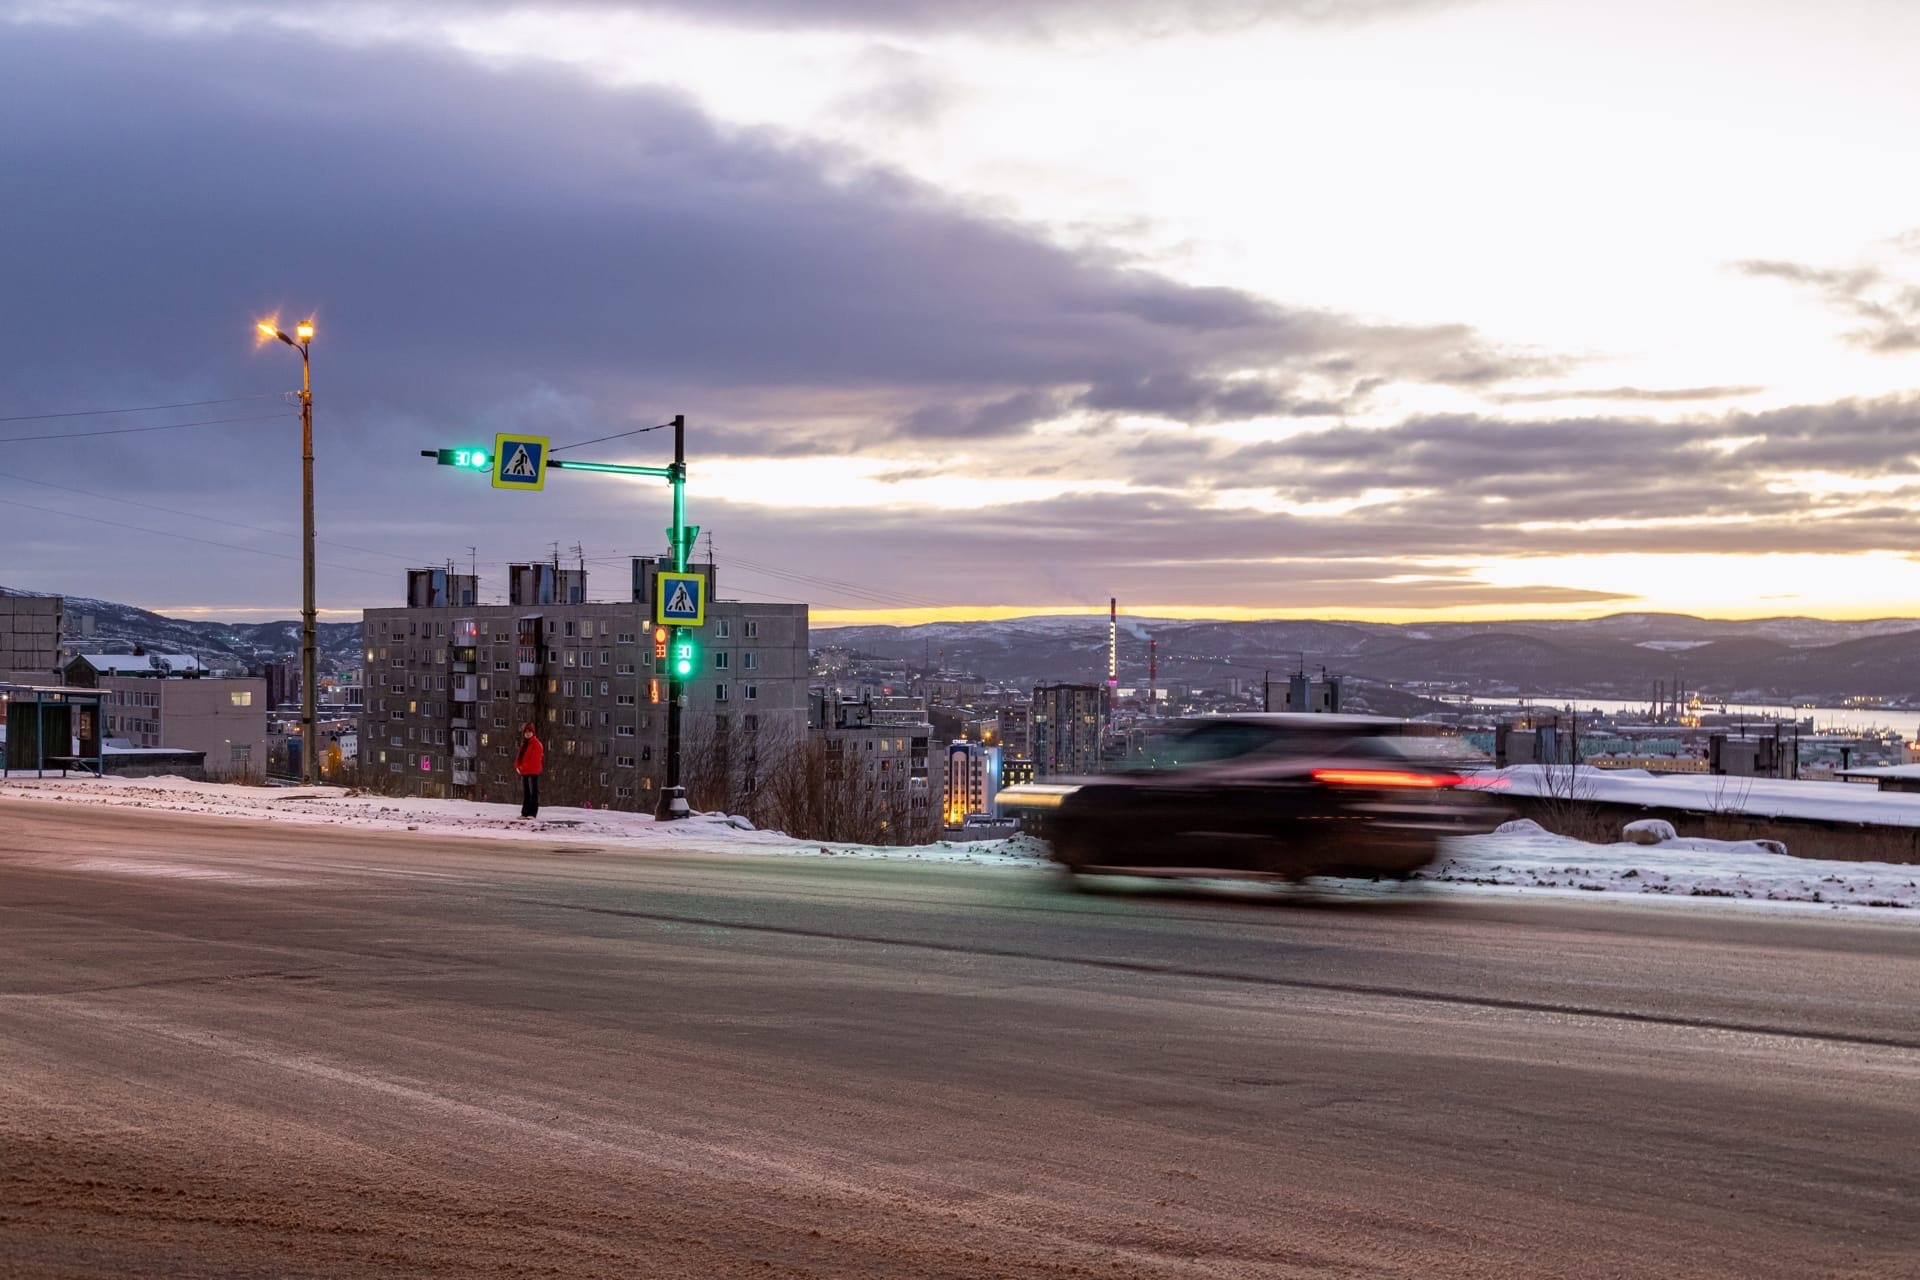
(309, 734)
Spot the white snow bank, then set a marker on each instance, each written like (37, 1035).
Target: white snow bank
(336, 807)
(1686, 868)
(1707, 793)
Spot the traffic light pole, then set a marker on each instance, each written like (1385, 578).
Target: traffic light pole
(673, 798)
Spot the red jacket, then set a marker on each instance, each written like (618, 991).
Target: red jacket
(532, 756)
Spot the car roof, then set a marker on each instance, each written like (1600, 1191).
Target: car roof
(1301, 720)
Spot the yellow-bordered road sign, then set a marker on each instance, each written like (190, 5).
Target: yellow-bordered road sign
(520, 462)
(680, 599)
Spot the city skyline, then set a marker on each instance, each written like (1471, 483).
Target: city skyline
(1379, 310)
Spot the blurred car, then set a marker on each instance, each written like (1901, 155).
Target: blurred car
(1264, 795)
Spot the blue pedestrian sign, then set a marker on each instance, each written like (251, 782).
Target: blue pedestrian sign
(680, 599)
(519, 462)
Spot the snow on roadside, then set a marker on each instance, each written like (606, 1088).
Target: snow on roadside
(1524, 855)
(336, 807)
(1709, 793)
(1521, 857)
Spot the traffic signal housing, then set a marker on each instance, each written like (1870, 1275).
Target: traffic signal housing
(468, 459)
(686, 657)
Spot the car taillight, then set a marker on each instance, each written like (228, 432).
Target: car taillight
(1387, 778)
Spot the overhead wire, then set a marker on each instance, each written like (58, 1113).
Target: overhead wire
(194, 515)
(144, 408)
(128, 431)
(185, 537)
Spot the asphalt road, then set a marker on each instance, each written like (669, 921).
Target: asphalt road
(248, 1049)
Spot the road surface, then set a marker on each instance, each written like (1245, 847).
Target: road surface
(264, 1050)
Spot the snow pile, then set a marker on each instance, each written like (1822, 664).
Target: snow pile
(1524, 855)
(336, 807)
(1708, 793)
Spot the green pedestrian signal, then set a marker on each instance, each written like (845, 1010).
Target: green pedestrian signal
(465, 459)
(684, 659)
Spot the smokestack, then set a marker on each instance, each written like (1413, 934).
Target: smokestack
(1153, 673)
(1113, 643)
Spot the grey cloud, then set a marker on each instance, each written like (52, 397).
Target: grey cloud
(1638, 395)
(1888, 310)
(1019, 18)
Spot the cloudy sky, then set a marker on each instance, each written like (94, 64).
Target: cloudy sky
(1339, 308)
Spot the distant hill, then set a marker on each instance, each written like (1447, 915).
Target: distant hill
(118, 628)
(1617, 656)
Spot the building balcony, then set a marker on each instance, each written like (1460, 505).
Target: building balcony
(463, 777)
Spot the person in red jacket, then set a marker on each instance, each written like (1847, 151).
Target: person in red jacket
(527, 765)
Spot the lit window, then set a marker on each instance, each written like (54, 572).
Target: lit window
(241, 697)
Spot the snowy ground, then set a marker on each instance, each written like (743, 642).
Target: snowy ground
(1706, 793)
(334, 807)
(1521, 857)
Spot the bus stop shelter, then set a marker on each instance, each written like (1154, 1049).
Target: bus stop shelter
(52, 727)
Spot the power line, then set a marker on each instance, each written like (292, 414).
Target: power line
(145, 408)
(126, 431)
(194, 515)
(185, 537)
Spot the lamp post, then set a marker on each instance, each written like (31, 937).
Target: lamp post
(309, 729)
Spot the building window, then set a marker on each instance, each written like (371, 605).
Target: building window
(623, 731)
(568, 688)
(624, 669)
(241, 697)
(750, 691)
(628, 637)
(605, 688)
(624, 700)
(722, 628)
(750, 723)
(720, 693)
(751, 661)
(625, 762)
(721, 661)
(568, 629)
(753, 630)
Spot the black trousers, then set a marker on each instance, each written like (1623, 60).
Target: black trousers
(529, 795)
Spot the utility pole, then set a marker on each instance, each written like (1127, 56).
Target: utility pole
(309, 629)
(1266, 689)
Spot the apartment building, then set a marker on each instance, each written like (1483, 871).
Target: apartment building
(448, 686)
(875, 764)
(1066, 726)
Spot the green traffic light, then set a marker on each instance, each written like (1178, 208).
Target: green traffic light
(683, 658)
(466, 459)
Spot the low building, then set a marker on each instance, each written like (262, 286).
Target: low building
(165, 700)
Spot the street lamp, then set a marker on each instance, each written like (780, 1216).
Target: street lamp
(309, 731)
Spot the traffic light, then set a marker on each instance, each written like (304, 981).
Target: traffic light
(685, 659)
(467, 459)
(660, 644)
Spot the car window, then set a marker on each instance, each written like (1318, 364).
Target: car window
(1209, 743)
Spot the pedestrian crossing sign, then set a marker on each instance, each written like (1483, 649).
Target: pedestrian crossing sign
(680, 599)
(519, 462)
